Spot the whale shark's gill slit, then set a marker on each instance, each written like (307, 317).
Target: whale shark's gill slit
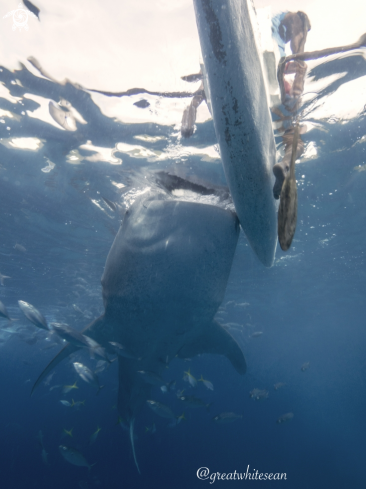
(132, 423)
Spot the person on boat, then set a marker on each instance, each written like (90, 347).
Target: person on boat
(190, 112)
(290, 27)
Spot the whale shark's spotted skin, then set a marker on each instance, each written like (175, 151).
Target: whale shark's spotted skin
(163, 282)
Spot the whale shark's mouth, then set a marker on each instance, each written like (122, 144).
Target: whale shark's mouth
(183, 188)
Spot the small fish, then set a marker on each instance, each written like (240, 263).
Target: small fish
(194, 402)
(168, 387)
(206, 383)
(87, 375)
(181, 418)
(287, 211)
(68, 432)
(188, 377)
(305, 366)
(77, 404)
(77, 309)
(19, 247)
(78, 339)
(175, 422)
(227, 417)
(278, 385)
(2, 277)
(69, 334)
(10, 330)
(100, 367)
(34, 316)
(161, 409)
(256, 334)
(48, 379)
(94, 436)
(259, 394)
(4, 312)
(285, 417)
(68, 388)
(66, 403)
(96, 349)
(73, 456)
(122, 351)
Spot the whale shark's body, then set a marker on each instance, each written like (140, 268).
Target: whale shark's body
(164, 279)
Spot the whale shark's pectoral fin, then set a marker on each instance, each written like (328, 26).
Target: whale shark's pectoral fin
(64, 353)
(95, 330)
(219, 341)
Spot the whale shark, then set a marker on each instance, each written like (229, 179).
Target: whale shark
(164, 279)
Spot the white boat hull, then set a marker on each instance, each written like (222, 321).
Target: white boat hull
(237, 95)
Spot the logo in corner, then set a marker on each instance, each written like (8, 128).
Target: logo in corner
(20, 17)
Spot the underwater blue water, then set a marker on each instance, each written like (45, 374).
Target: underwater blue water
(310, 306)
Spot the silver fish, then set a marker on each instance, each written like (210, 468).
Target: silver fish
(78, 339)
(20, 247)
(122, 351)
(227, 417)
(161, 409)
(48, 379)
(94, 436)
(34, 316)
(66, 403)
(194, 402)
(256, 334)
(188, 377)
(259, 394)
(305, 366)
(68, 388)
(100, 367)
(278, 385)
(10, 330)
(77, 404)
(285, 417)
(87, 375)
(2, 278)
(69, 334)
(73, 456)
(96, 348)
(206, 383)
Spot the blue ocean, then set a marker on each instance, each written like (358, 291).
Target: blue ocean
(94, 118)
